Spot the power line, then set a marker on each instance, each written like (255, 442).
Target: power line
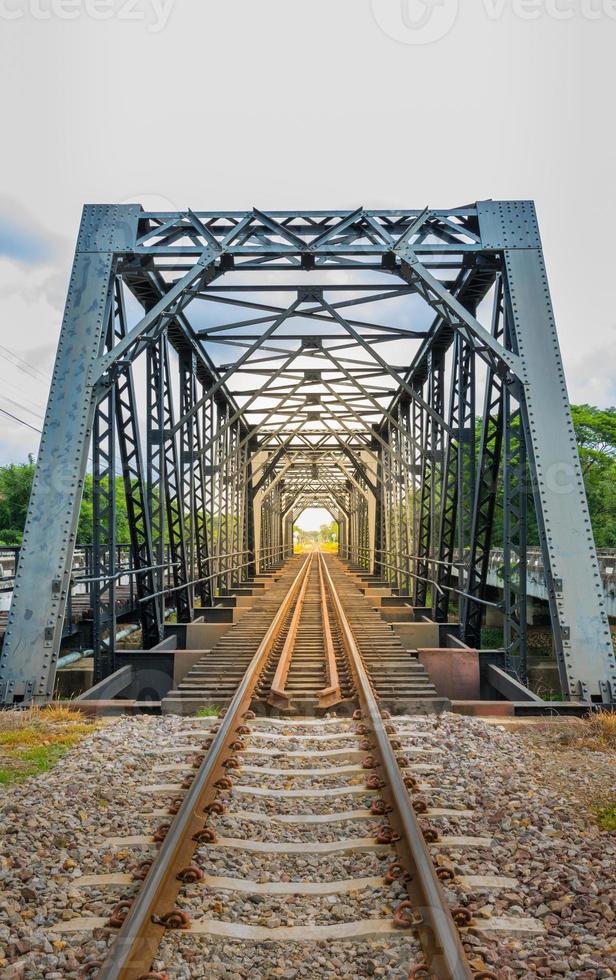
(21, 421)
(19, 390)
(23, 365)
(37, 414)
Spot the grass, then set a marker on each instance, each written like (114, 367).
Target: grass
(596, 732)
(606, 816)
(574, 738)
(601, 726)
(32, 741)
(212, 711)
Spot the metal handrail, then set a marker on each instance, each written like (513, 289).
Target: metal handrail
(125, 572)
(430, 581)
(204, 578)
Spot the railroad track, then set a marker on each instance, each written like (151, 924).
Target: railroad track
(300, 813)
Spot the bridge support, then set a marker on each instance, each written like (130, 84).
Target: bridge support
(304, 401)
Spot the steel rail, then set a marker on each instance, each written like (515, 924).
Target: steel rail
(139, 937)
(330, 695)
(278, 697)
(437, 929)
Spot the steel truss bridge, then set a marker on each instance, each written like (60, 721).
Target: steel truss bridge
(226, 370)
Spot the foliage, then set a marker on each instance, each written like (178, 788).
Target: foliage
(15, 487)
(34, 740)
(606, 817)
(595, 430)
(327, 534)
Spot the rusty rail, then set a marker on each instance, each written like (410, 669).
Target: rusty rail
(135, 946)
(278, 697)
(149, 915)
(433, 919)
(330, 695)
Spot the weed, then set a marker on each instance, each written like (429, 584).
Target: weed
(606, 817)
(32, 741)
(211, 711)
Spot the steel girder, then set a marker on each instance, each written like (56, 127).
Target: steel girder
(257, 406)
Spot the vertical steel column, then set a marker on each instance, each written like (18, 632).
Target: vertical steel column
(174, 504)
(156, 464)
(514, 540)
(204, 586)
(580, 627)
(103, 591)
(249, 513)
(42, 583)
(457, 476)
(133, 472)
(187, 466)
(432, 452)
(486, 486)
(380, 507)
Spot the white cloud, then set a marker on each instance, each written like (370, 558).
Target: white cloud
(31, 303)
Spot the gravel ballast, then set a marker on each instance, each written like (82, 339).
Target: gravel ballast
(54, 828)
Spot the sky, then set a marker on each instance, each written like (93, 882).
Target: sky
(282, 104)
(312, 518)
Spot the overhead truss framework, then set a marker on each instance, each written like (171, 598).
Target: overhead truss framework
(226, 370)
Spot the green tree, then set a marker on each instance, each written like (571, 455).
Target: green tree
(595, 430)
(15, 487)
(328, 533)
